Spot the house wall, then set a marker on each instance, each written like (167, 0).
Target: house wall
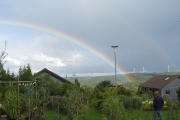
(54, 79)
(172, 87)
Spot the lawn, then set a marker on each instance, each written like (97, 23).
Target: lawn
(130, 115)
(52, 115)
(148, 115)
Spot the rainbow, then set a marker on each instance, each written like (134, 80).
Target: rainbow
(73, 40)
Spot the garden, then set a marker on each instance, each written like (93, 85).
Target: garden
(36, 101)
(37, 97)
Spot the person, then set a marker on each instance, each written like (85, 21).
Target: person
(158, 103)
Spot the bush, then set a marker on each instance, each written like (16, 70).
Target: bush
(148, 105)
(125, 91)
(144, 97)
(172, 104)
(131, 102)
(136, 102)
(112, 109)
(126, 101)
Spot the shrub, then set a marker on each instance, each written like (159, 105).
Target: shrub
(127, 103)
(172, 104)
(125, 91)
(144, 97)
(179, 94)
(148, 105)
(131, 102)
(112, 109)
(95, 102)
(136, 102)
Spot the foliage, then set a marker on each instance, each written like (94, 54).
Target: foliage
(0, 95)
(179, 94)
(148, 105)
(131, 102)
(125, 91)
(144, 97)
(25, 73)
(43, 92)
(31, 100)
(88, 94)
(103, 84)
(112, 109)
(140, 91)
(172, 104)
(84, 114)
(35, 96)
(54, 88)
(172, 115)
(74, 100)
(63, 89)
(3, 55)
(77, 82)
(11, 102)
(94, 103)
(100, 93)
(42, 86)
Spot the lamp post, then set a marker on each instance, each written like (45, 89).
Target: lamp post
(115, 62)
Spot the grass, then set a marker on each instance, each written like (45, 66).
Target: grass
(52, 115)
(130, 115)
(148, 115)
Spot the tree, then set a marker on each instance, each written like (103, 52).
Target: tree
(25, 73)
(140, 91)
(179, 94)
(10, 101)
(3, 56)
(103, 84)
(75, 102)
(77, 82)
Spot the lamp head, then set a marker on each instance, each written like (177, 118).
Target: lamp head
(114, 48)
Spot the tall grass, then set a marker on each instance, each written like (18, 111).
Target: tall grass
(131, 102)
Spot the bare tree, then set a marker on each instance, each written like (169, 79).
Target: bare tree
(3, 55)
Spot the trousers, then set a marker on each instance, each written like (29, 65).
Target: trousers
(157, 113)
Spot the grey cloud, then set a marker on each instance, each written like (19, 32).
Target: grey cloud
(147, 33)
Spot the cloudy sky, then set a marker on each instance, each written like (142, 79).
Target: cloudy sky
(67, 36)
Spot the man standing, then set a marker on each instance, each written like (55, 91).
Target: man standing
(158, 102)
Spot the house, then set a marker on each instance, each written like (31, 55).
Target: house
(165, 84)
(54, 76)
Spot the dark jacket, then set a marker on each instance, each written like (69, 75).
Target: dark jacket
(158, 102)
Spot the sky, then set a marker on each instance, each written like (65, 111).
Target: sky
(75, 36)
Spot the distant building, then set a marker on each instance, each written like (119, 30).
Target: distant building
(165, 84)
(54, 76)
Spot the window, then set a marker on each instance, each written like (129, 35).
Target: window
(168, 78)
(168, 92)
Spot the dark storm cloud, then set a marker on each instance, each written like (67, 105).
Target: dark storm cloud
(147, 33)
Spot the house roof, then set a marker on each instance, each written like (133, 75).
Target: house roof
(159, 81)
(53, 74)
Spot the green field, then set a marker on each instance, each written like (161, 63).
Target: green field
(130, 115)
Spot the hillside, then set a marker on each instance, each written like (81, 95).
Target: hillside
(128, 80)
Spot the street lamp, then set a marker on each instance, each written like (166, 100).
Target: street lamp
(115, 62)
